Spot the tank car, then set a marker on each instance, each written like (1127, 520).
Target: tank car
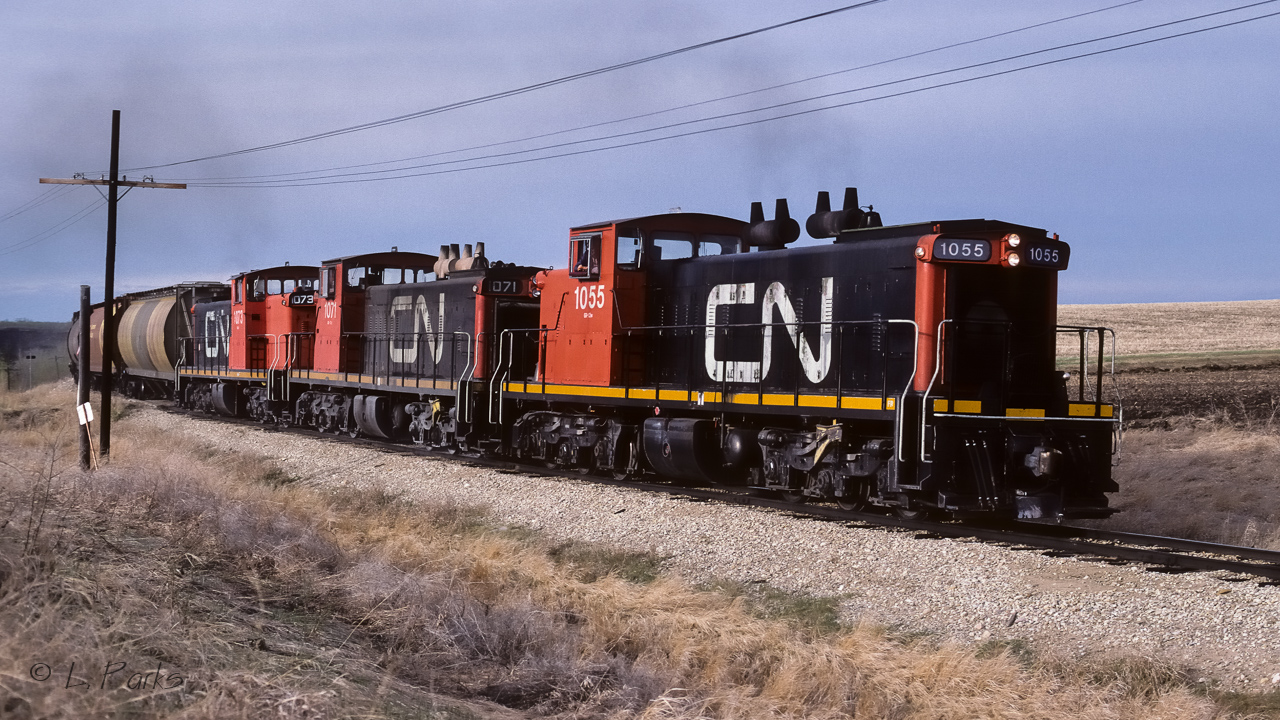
(151, 327)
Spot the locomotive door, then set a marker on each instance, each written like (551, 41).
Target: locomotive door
(519, 354)
(629, 301)
(514, 355)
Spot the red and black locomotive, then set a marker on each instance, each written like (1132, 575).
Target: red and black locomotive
(913, 367)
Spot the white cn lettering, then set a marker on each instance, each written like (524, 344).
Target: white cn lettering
(217, 333)
(407, 353)
(815, 368)
(732, 370)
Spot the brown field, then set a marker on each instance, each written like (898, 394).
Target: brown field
(1242, 332)
(257, 597)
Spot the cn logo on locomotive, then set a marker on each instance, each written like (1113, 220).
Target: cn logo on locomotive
(217, 333)
(775, 297)
(408, 353)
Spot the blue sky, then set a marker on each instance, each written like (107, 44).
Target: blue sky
(1158, 163)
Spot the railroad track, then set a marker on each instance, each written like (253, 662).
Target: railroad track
(1158, 553)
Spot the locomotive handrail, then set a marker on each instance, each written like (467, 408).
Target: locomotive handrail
(291, 352)
(271, 371)
(1084, 331)
(899, 397)
(506, 371)
(469, 371)
(417, 372)
(902, 401)
(1100, 368)
(924, 399)
(177, 368)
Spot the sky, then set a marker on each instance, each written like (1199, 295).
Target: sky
(1159, 164)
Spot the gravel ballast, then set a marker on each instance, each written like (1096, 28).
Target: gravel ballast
(1226, 629)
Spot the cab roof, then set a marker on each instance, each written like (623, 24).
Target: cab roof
(389, 257)
(284, 272)
(674, 219)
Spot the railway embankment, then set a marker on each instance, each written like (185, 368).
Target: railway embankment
(1225, 628)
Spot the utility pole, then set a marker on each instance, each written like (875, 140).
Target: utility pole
(82, 374)
(108, 309)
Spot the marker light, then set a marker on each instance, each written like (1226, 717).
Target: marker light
(920, 252)
(1014, 240)
(1014, 259)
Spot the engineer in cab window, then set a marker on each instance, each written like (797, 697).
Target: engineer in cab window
(586, 257)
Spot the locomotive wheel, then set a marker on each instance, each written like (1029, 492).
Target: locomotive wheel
(626, 458)
(913, 513)
(857, 501)
(798, 480)
(584, 461)
(562, 457)
(795, 495)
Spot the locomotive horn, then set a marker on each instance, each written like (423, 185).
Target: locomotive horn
(824, 223)
(772, 234)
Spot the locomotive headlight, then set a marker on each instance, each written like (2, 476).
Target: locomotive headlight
(1014, 239)
(1014, 259)
(920, 252)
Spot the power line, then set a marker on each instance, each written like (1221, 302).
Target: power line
(52, 231)
(677, 108)
(344, 178)
(37, 201)
(515, 91)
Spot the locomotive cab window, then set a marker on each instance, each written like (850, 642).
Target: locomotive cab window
(673, 245)
(236, 291)
(630, 243)
(329, 281)
(259, 290)
(584, 256)
(360, 278)
(717, 245)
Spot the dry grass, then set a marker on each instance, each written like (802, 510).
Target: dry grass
(272, 599)
(1228, 474)
(1234, 328)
